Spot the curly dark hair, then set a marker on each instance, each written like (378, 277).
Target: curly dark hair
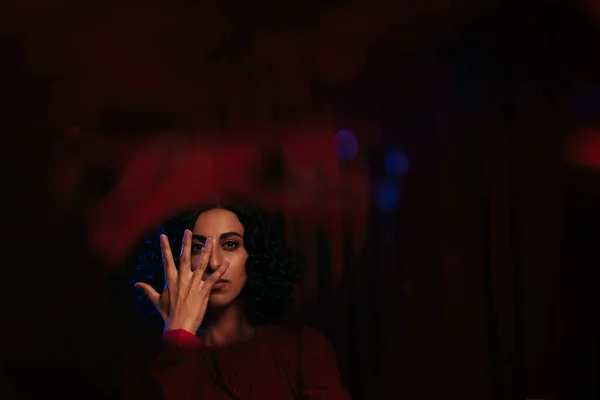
(272, 268)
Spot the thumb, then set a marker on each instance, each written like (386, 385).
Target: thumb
(149, 291)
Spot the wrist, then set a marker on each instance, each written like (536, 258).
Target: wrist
(168, 329)
(173, 325)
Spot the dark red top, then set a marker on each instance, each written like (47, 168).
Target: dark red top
(265, 367)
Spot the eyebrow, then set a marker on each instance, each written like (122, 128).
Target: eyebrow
(223, 236)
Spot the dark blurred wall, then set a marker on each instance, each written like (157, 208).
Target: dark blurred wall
(487, 293)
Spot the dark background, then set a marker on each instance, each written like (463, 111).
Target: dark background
(479, 284)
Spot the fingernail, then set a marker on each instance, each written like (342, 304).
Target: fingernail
(207, 241)
(226, 265)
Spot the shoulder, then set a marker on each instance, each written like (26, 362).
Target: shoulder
(314, 363)
(305, 340)
(309, 360)
(313, 337)
(287, 334)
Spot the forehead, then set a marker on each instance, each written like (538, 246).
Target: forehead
(217, 221)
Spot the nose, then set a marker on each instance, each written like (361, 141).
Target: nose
(216, 259)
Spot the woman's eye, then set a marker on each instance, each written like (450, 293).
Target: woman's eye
(197, 247)
(230, 245)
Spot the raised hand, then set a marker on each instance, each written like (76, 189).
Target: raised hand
(184, 300)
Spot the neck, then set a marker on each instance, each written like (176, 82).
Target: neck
(226, 326)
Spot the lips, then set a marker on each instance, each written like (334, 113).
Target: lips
(221, 283)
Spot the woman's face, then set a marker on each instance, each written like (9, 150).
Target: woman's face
(226, 232)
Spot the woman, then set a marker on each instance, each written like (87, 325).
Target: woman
(221, 306)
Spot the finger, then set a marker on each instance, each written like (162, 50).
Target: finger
(204, 257)
(186, 251)
(218, 274)
(152, 294)
(168, 263)
(164, 302)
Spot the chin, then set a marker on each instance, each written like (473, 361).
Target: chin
(219, 300)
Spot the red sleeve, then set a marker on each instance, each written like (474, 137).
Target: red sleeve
(173, 372)
(319, 368)
(181, 338)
